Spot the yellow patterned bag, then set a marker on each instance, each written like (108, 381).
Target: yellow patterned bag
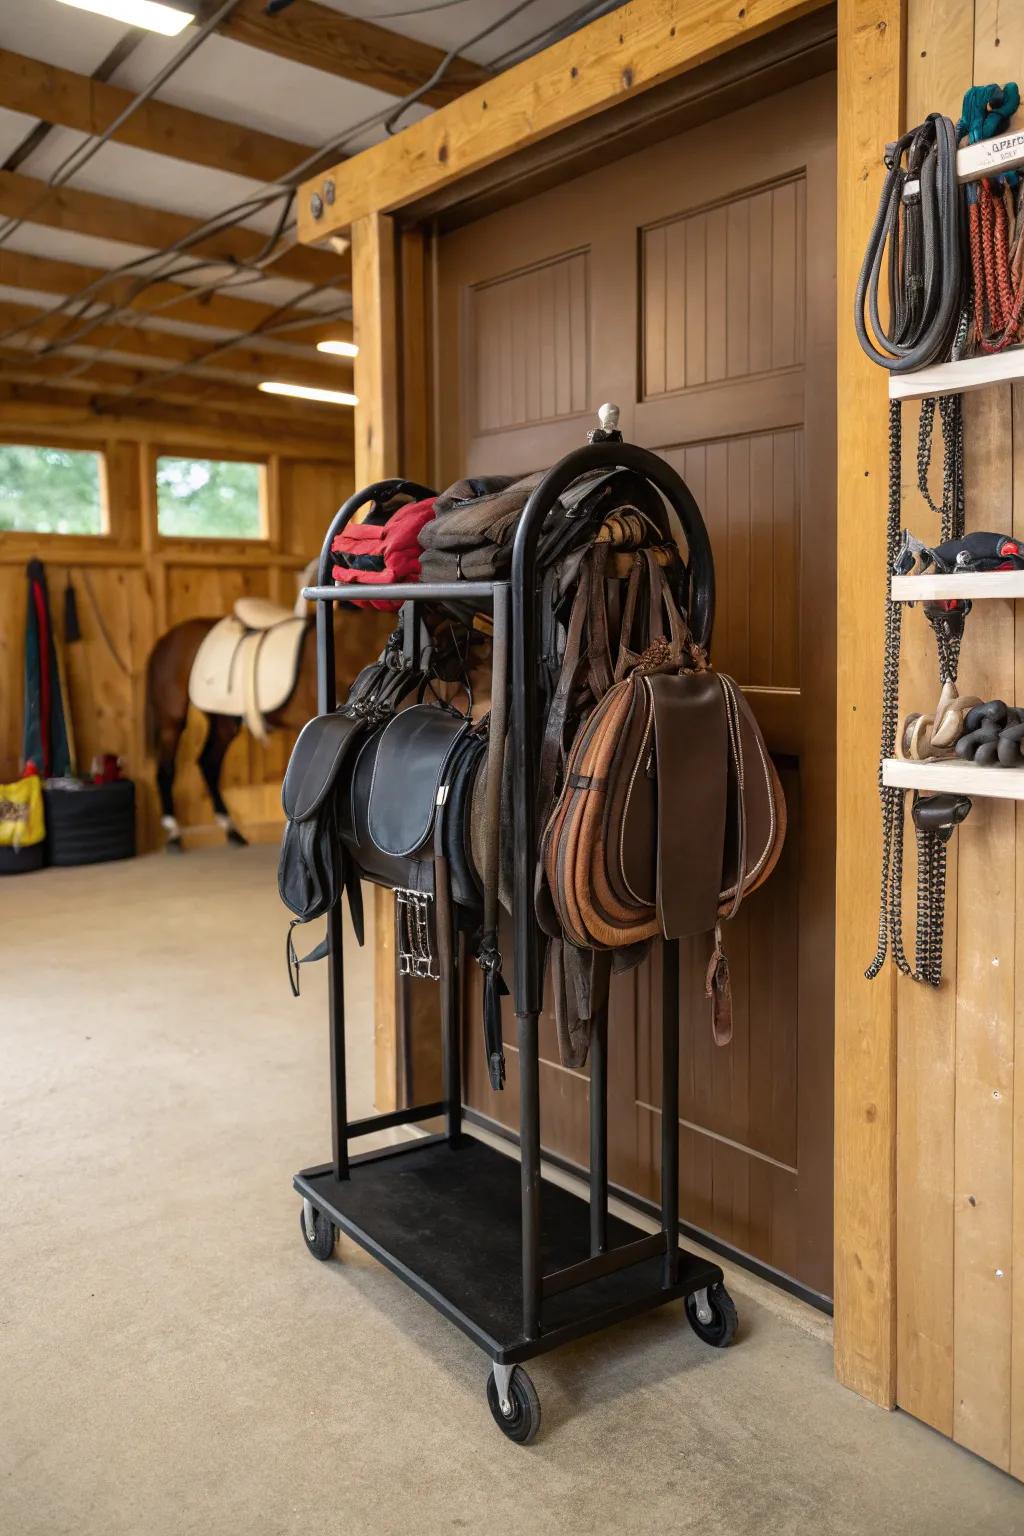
(21, 813)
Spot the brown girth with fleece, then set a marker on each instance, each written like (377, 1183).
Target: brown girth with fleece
(669, 810)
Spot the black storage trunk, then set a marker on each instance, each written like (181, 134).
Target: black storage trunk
(92, 824)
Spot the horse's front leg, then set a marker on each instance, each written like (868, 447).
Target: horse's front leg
(222, 731)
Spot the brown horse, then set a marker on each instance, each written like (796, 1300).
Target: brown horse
(170, 665)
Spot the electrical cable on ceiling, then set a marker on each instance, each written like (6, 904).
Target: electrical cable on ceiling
(554, 33)
(83, 153)
(123, 313)
(283, 188)
(449, 59)
(419, 10)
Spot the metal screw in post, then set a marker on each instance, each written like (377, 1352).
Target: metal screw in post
(316, 206)
(329, 192)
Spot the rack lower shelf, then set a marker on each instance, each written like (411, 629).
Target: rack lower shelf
(955, 778)
(447, 1221)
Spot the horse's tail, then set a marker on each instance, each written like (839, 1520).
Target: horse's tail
(150, 705)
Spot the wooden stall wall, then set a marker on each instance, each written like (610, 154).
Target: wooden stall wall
(960, 1122)
(131, 585)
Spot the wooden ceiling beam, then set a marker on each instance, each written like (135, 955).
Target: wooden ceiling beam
(40, 409)
(307, 33)
(611, 60)
(44, 274)
(132, 341)
(90, 106)
(104, 379)
(112, 218)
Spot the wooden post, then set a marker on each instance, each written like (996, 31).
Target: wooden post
(871, 84)
(377, 453)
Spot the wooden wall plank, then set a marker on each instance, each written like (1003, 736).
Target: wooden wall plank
(870, 113)
(985, 954)
(926, 1070)
(1016, 1277)
(986, 933)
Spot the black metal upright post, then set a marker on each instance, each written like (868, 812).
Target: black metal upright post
(670, 1107)
(599, 1135)
(527, 980)
(451, 1055)
(327, 701)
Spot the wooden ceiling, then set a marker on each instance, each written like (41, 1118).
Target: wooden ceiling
(193, 322)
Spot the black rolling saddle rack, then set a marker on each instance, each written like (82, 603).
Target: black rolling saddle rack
(520, 1264)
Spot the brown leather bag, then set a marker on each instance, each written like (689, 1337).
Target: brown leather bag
(670, 809)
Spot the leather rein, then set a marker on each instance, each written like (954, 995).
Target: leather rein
(919, 227)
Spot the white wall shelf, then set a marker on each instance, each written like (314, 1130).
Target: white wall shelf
(976, 161)
(973, 585)
(955, 777)
(958, 378)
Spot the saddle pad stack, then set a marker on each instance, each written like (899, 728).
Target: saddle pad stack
(378, 553)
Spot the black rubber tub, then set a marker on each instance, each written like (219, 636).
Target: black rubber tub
(92, 824)
(19, 861)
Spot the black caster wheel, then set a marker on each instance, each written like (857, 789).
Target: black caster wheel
(518, 1416)
(712, 1315)
(325, 1233)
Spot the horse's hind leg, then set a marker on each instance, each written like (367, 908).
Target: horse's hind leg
(168, 735)
(221, 733)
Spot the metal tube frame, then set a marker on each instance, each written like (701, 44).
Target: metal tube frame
(527, 940)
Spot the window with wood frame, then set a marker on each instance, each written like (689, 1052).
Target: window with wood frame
(211, 498)
(50, 489)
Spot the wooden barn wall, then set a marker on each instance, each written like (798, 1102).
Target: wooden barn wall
(136, 585)
(960, 1108)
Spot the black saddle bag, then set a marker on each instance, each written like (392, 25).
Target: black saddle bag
(403, 817)
(312, 870)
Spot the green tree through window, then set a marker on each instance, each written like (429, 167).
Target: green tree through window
(209, 499)
(50, 490)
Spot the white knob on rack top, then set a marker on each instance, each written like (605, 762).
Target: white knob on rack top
(608, 416)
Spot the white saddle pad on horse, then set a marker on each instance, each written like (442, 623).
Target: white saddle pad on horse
(248, 670)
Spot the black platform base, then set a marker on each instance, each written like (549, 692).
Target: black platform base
(447, 1221)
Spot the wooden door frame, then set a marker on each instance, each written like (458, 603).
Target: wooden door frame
(619, 56)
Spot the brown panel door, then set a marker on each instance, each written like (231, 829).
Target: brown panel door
(693, 284)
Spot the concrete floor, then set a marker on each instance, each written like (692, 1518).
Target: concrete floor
(173, 1362)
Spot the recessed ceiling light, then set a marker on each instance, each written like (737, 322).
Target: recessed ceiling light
(163, 16)
(302, 392)
(338, 348)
